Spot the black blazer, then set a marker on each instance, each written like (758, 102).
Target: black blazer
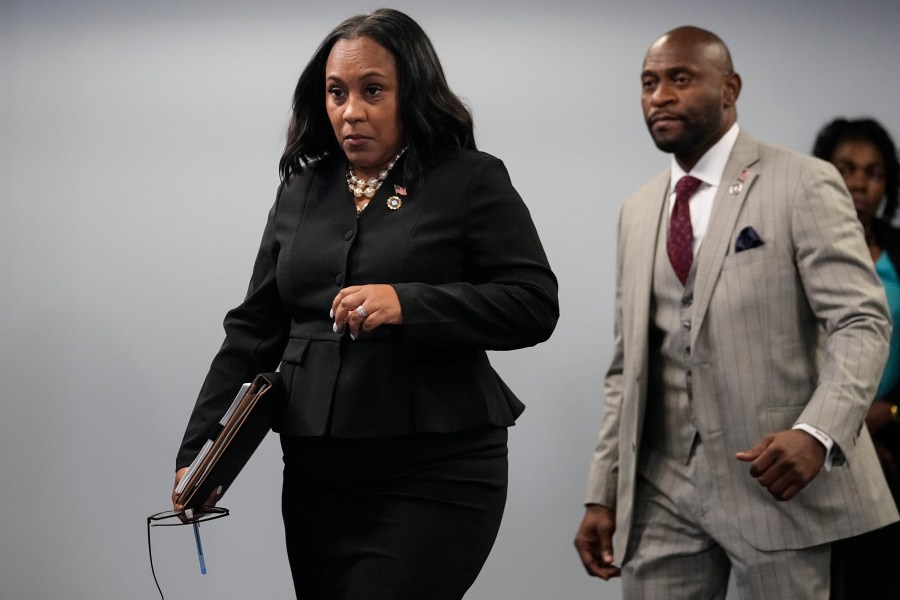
(465, 260)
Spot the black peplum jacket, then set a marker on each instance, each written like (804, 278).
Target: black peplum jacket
(468, 267)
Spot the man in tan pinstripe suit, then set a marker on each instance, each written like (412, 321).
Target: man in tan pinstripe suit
(732, 437)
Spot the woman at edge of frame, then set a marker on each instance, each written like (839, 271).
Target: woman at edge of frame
(862, 150)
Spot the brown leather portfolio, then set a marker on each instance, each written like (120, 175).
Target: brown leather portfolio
(238, 434)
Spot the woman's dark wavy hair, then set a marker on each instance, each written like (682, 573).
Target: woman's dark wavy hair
(864, 130)
(437, 123)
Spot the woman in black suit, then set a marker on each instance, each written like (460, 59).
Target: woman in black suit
(395, 255)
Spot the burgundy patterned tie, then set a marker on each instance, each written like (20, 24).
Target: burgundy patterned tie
(681, 235)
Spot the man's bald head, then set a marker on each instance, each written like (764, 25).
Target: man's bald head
(689, 92)
(711, 46)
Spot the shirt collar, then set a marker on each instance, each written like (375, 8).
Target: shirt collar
(711, 165)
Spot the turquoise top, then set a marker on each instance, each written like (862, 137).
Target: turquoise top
(888, 275)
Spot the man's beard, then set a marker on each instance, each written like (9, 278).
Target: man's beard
(698, 127)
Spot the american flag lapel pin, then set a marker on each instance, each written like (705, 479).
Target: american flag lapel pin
(738, 186)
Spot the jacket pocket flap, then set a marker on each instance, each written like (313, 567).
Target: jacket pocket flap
(295, 350)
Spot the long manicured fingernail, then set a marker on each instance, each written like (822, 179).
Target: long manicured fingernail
(331, 314)
(219, 491)
(334, 327)
(352, 337)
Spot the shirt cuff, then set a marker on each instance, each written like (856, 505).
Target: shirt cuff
(824, 439)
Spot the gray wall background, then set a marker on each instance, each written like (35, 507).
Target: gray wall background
(138, 161)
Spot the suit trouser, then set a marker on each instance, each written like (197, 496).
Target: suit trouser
(684, 543)
(405, 518)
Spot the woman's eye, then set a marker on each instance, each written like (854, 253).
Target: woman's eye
(336, 93)
(845, 170)
(875, 174)
(373, 90)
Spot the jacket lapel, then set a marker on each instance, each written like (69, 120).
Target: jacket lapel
(737, 179)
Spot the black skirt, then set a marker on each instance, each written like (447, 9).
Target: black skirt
(405, 518)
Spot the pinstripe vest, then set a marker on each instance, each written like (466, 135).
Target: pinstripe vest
(669, 418)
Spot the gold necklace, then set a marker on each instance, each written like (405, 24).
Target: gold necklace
(360, 187)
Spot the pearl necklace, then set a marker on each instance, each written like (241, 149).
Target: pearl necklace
(360, 187)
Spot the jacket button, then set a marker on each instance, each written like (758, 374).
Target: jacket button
(339, 278)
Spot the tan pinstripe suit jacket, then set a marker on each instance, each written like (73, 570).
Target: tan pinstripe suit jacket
(795, 330)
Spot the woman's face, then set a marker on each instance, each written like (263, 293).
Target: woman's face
(362, 99)
(862, 167)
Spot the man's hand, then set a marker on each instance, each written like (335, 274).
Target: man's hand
(594, 541)
(785, 462)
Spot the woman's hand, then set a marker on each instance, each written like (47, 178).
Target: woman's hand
(210, 501)
(178, 475)
(879, 416)
(362, 308)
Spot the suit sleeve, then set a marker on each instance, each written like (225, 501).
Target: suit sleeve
(509, 297)
(603, 476)
(255, 335)
(847, 298)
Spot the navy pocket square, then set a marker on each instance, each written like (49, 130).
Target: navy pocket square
(747, 239)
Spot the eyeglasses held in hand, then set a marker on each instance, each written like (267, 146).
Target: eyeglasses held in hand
(175, 518)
